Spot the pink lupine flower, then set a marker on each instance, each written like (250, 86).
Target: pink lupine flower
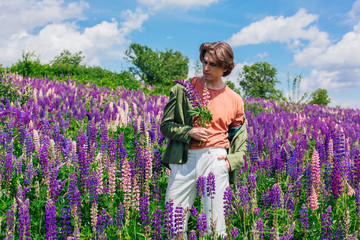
(330, 150)
(135, 194)
(99, 172)
(126, 185)
(206, 95)
(36, 140)
(315, 168)
(350, 189)
(93, 215)
(148, 167)
(313, 199)
(112, 181)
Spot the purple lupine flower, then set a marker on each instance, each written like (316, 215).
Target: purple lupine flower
(9, 163)
(65, 222)
(24, 220)
(18, 165)
(326, 223)
(169, 219)
(252, 182)
(138, 161)
(276, 196)
(1, 166)
(357, 201)
(234, 232)
(336, 182)
(43, 158)
(357, 167)
(93, 188)
(50, 220)
(144, 210)
(256, 211)
(192, 235)
(244, 198)
(179, 211)
(273, 234)
(193, 211)
(112, 149)
(155, 187)
(190, 92)
(260, 228)
(121, 152)
(29, 145)
(55, 184)
(289, 234)
(73, 191)
(200, 185)
(104, 221)
(339, 232)
(289, 203)
(104, 140)
(9, 234)
(210, 185)
(83, 163)
(156, 224)
(29, 173)
(328, 169)
(119, 217)
(201, 224)
(228, 208)
(304, 220)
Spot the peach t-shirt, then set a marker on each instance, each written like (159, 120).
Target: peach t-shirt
(227, 108)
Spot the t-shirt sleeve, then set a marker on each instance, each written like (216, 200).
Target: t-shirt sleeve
(240, 116)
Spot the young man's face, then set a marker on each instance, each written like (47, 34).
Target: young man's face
(211, 71)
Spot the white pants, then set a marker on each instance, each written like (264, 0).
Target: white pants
(182, 183)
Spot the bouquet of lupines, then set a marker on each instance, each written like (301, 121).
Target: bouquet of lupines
(200, 111)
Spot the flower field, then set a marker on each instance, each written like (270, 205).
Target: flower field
(83, 162)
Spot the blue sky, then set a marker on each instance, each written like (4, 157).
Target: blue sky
(318, 39)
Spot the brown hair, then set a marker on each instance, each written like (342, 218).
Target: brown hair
(221, 52)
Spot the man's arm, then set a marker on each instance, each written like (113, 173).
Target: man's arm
(169, 127)
(236, 156)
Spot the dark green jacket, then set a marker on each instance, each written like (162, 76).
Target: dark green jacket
(176, 125)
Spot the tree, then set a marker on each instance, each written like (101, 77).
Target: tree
(320, 97)
(258, 80)
(67, 63)
(28, 65)
(294, 90)
(157, 67)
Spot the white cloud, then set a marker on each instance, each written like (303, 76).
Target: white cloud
(171, 4)
(134, 20)
(344, 103)
(279, 29)
(26, 15)
(344, 53)
(355, 11)
(97, 42)
(337, 66)
(263, 55)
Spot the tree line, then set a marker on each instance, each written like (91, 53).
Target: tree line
(159, 69)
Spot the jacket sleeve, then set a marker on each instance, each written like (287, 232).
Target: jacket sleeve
(173, 128)
(239, 148)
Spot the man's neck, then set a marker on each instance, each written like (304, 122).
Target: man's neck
(215, 85)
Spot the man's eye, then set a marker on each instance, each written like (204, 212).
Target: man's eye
(213, 64)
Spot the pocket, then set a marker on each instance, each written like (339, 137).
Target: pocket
(223, 165)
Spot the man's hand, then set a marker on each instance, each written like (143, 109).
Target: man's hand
(199, 133)
(226, 161)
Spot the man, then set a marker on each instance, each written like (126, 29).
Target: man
(195, 151)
